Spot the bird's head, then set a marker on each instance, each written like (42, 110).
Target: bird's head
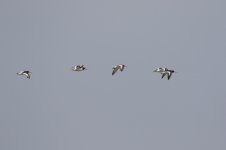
(157, 70)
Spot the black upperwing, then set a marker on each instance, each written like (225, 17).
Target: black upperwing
(169, 75)
(27, 72)
(115, 70)
(163, 75)
(122, 68)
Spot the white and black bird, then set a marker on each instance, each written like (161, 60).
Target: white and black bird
(165, 71)
(78, 68)
(26, 73)
(120, 67)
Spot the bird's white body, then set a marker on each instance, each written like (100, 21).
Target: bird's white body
(161, 70)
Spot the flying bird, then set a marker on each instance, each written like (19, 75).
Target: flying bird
(78, 68)
(118, 67)
(26, 73)
(164, 72)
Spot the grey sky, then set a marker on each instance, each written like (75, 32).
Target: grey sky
(134, 110)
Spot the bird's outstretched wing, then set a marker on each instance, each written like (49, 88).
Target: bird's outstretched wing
(115, 69)
(169, 75)
(122, 68)
(27, 72)
(78, 67)
(163, 75)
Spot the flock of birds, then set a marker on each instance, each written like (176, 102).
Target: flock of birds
(120, 67)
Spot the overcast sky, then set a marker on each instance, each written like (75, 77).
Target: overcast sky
(58, 109)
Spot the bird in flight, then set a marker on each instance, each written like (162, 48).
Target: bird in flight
(26, 73)
(78, 68)
(118, 67)
(164, 72)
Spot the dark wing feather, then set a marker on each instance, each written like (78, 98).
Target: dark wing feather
(163, 75)
(121, 69)
(169, 75)
(27, 72)
(78, 67)
(115, 69)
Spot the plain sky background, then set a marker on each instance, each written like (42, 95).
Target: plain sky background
(58, 109)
